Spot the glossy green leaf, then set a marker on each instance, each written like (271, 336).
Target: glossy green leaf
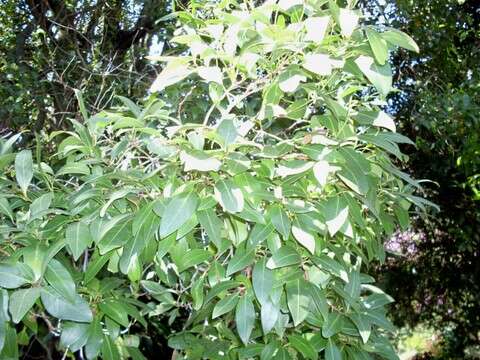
(21, 301)
(109, 349)
(336, 214)
(303, 346)
(229, 196)
(24, 169)
(399, 38)
(378, 45)
(74, 335)
(332, 352)
(194, 257)
(5, 208)
(227, 132)
(380, 76)
(245, 318)
(262, 280)
(212, 224)
(114, 310)
(298, 300)
(285, 256)
(240, 260)
(60, 279)
(280, 220)
(78, 238)
(225, 305)
(180, 208)
(61, 308)
(332, 325)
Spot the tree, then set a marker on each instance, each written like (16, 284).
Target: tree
(250, 230)
(438, 107)
(50, 48)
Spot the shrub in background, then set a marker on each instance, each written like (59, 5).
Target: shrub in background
(249, 225)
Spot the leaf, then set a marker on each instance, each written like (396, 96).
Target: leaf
(336, 214)
(225, 305)
(304, 237)
(60, 279)
(61, 308)
(194, 257)
(363, 325)
(197, 294)
(5, 208)
(115, 311)
(376, 118)
(320, 64)
(378, 45)
(95, 265)
(21, 301)
(269, 314)
(262, 281)
(259, 233)
(240, 260)
(81, 104)
(78, 238)
(171, 74)
(289, 82)
(399, 38)
(10, 347)
(332, 325)
(134, 109)
(74, 168)
(296, 110)
(379, 76)
(166, 245)
(108, 349)
(229, 196)
(321, 170)
(221, 287)
(115, 237)
(95, 339)
(348, 20)
(144, 226)
(245, 318)
(280, 220)
(298, 300)
(178, 211)
(303, 346)
(74, 335)
(199, 160)
(227, 132)
(316, 28)
(284, 256)
(332, 352)
(14, 276)
(211, 73)
(212, 225)
(40, 205)
(24, 169)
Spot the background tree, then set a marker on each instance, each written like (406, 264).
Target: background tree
(436, 279)
(49, 48)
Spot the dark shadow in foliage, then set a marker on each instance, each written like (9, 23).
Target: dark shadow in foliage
(439, 106)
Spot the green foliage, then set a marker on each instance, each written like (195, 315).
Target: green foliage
(435, 282)
(49, 49)
(249, 227)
